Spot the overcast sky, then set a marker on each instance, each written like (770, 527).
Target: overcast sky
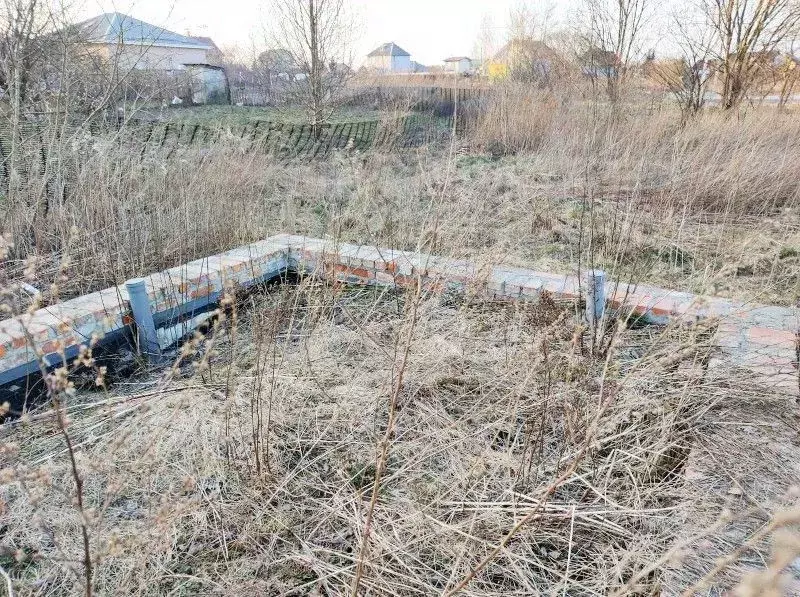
(430, 30)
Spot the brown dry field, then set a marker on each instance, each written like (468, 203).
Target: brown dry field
(318, 426)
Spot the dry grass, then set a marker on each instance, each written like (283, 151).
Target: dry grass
(497, 401)
(436, 79)
(253, 475)
(741, 470)
(711, 207)
(721, 162)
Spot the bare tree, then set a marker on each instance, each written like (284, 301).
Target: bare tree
(614, 38)
(788, 76)
(528, 56)
(24, 25)
(45, 64)
(486, 43)
(317, 34)
(525, 22)
(749, 36)
(52, 83)
(687, 77)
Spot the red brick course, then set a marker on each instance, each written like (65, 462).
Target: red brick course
(745, 331)
(772, 337)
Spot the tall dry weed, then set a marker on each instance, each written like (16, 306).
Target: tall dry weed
(746, 163)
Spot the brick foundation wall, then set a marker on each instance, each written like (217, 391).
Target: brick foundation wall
(761, 338)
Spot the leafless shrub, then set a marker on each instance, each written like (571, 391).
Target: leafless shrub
(748, 35)
(316, 35)
(687, 78)
(613, 40)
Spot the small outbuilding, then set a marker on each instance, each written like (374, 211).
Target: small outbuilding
(458, 64)
(208, 84)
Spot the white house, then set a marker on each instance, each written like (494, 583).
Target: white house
(389, 58)
(132, 43)
(458, 64)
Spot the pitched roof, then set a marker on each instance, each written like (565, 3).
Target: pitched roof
(205, 41)
(526, 47)
(390, 49)
(599, 57)
(457, 59)
(117, 28)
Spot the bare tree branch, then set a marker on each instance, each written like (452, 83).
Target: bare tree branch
(749, 37)
(616, 30)
(317, 35)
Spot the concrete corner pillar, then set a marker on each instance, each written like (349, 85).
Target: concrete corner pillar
(595, 296)
(143, 317)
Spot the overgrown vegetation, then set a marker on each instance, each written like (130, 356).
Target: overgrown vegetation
(256, 475)
(709, 208)
(320, 439)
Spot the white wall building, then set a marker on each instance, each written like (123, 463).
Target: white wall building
(458, 64)
(132, 43)
(389, 58)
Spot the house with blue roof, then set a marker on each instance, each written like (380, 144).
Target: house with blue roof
(132, 43)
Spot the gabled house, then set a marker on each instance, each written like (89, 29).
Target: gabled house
(134, 44)
(389, 58)
(280, 65)
(458, 64)
(598, 63)
(525, 59)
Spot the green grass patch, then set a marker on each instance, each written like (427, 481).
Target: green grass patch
(239, 115)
